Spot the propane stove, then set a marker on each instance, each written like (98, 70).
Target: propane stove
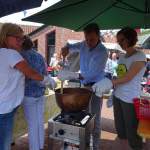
(73, 129)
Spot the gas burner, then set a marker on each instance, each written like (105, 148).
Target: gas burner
(71, 128)
(73, 118)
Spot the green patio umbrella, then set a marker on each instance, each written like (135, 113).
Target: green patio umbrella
(109, 14)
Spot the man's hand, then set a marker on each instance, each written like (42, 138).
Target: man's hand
(67, 75)
(102, 86)
(64, 51)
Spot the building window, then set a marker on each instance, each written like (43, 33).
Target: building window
(50, 45)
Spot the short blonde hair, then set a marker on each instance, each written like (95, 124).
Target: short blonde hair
(8, 29)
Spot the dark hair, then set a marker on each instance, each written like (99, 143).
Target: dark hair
(92, 27)
(130, 34)
(27, 44)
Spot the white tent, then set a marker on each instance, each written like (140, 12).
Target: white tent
(113, 46)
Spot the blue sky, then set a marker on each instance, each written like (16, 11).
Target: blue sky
(16, 18)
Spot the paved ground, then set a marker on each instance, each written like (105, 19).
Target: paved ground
(108, 138)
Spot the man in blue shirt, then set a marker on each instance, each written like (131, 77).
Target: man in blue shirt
(93, 57)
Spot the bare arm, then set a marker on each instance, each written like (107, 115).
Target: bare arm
(71, 47)
(134, 69)
(28, 71)
(64, 51)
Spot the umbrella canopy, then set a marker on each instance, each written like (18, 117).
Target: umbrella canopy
(109, 14)
(12, 6)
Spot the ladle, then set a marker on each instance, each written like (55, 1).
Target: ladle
(62, 82)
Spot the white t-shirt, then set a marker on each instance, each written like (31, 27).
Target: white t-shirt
(11, 81)
(126, 92)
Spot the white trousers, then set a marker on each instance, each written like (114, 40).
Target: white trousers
(34, 115)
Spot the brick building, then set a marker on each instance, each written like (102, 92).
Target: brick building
(50, 39)
(28, 29)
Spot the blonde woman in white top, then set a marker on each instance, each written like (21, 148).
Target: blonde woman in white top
(12, 72)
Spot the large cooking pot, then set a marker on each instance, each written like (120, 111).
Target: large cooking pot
(73, 99)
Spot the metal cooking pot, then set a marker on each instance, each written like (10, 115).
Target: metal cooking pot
(73, 99)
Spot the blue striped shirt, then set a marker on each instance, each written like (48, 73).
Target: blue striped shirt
(34, 88)
(92, 61)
